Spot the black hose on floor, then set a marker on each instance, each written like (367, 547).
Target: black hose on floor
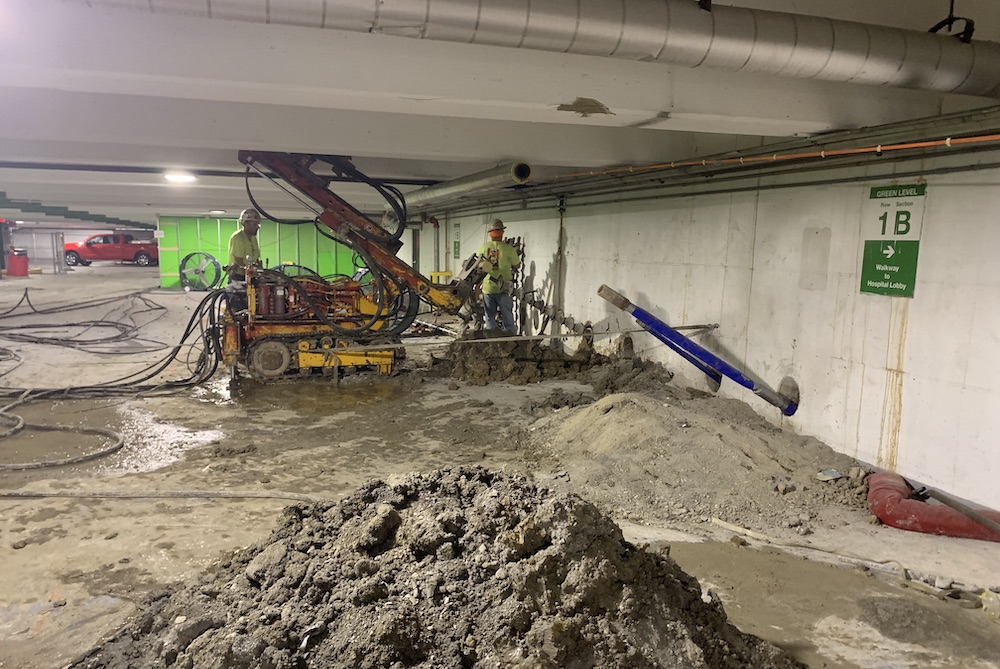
(134, 384)
(179, 494)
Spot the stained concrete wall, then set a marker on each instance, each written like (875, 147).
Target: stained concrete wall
(908, 384)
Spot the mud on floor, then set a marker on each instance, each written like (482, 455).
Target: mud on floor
(488, 356)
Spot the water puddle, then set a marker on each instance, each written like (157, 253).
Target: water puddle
(310, 398)
(151, 443)
(217, 391)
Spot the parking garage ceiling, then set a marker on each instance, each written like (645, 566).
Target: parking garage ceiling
(99, 99)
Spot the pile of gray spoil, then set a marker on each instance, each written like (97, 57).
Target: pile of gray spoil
(516, 361)
(631, 374)
(457, 568)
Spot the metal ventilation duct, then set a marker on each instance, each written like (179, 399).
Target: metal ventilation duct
(670, 31)
(514, 174)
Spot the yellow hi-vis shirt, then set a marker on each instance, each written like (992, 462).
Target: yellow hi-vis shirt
(504, 258)
(241, 246)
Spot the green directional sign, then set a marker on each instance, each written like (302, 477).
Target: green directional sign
(904, 191)
(889, 267)
(891, 232)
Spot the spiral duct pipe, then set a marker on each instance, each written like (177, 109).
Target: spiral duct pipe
(677, 32)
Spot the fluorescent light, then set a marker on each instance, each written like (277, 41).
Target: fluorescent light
(217, 212)
(179, 177)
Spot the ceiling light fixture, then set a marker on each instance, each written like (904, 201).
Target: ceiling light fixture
(216, 212)
(179, 177)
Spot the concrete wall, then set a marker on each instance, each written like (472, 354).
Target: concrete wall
(908, 384)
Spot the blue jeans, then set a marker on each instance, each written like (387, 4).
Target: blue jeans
(505, 304)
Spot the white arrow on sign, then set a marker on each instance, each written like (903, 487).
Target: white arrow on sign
(889, 251)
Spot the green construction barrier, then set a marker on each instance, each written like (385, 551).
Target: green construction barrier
(279, 244)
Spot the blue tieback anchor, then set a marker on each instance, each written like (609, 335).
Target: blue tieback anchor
(710, 364)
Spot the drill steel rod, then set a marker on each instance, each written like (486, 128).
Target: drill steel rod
(713, 366)
(571, 335)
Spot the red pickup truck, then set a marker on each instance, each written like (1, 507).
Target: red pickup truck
(111, 247)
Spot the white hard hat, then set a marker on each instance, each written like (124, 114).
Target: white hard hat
(249, 214)
(497, 224)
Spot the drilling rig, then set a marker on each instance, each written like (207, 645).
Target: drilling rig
(298, 322)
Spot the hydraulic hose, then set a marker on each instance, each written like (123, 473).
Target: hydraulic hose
(117, 443)
(132, 384)
(180, 494)
(135, 383)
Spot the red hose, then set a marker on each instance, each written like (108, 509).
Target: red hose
(889, 499)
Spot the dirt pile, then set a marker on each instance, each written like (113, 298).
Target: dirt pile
(620, 375)
(482, 357)
(556, 401)
(456, 568)
(683, 458)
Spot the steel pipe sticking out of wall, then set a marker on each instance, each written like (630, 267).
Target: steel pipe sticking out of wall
(709, 363)
(514, 174)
